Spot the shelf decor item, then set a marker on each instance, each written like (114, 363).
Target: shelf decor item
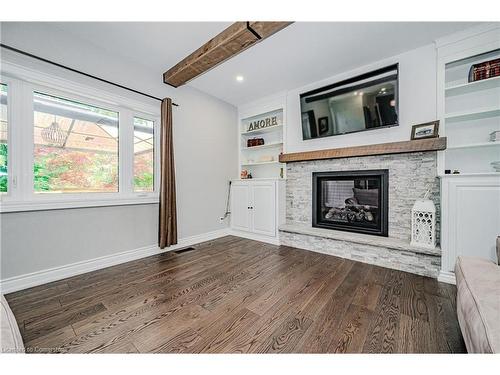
(495, 136)
(484, 70)
(423, 223)
(255, 142)
(425, 130)
(496, 165)
(262, 123)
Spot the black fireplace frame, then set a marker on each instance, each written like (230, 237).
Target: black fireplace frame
(383, 174)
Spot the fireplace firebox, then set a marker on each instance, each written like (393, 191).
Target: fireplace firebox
(355, 201)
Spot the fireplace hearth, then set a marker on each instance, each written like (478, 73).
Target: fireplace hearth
(355, 201)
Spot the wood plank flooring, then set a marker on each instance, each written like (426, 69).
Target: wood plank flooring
(234, 295)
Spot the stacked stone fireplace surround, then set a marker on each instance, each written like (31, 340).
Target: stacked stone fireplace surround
(410, 175)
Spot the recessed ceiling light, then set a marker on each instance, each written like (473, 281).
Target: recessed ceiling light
(240, 78)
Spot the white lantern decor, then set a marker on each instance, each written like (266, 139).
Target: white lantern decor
(423, 223)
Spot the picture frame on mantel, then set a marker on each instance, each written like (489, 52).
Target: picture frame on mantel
(425, 130)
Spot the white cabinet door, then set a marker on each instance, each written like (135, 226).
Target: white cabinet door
(264, 208)
(240, 203)
(471, 218)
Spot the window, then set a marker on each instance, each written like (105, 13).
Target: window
(75, 146)
(143, 154)
(3, 139)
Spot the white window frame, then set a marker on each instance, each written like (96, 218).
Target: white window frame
(8, 82)
(156, 152)
(22, 83)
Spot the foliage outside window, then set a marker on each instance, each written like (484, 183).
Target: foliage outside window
(143, 154)
(75, 146)
(3, 139)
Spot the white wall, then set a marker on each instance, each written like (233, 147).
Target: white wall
(205, 159)
(417, 103)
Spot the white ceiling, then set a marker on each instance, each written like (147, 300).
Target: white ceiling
(300, 54)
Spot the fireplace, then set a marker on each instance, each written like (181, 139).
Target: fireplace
(355, 201)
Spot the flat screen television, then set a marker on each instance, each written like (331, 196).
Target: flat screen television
(366, 102)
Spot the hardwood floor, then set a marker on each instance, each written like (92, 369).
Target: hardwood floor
(234, 295)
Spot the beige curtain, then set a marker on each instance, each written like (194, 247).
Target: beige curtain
(168, 210)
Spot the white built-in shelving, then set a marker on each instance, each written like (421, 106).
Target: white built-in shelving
(470, 112)
(268, 145)
(262, 131)
(262, 161)
(468, 87)
(470, 115)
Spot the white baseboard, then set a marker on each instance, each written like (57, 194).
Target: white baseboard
(254, 236)
(16, 283)
(447, 277)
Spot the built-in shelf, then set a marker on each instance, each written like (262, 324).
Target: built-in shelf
(268, 145)
(463, 88)
(474, 145)
(473, 115)
(261, 163)
(478, 174)
(259, 179)
(263, 130)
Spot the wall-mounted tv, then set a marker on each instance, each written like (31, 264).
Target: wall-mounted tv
(366, 102)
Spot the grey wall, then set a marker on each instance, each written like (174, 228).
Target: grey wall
(205, 131)
(33, 241)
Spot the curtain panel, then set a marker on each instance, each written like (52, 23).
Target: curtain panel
(168, 211)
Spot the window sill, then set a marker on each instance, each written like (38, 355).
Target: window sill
(46, 204)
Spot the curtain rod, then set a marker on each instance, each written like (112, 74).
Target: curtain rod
(80, 72)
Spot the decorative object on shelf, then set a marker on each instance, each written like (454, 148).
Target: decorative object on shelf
(425, 130)
(447, 171)
(496, 165)
(244, 174)
(323, 125)
(255, 142)
(484, 70)
(495, 136)
(249, 176)
(423, 223)
(53, 134)
(456, 171)
(265, 122)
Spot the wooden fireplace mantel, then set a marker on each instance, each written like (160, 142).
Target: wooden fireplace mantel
(420, 145)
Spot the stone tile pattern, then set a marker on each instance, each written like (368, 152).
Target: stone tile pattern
(410, 175)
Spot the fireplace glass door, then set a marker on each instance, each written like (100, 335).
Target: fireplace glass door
(351, 201)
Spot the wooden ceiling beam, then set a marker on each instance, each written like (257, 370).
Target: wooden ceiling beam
(233, 40)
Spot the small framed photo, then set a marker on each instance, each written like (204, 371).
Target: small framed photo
(323, 125)
(426, 130)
